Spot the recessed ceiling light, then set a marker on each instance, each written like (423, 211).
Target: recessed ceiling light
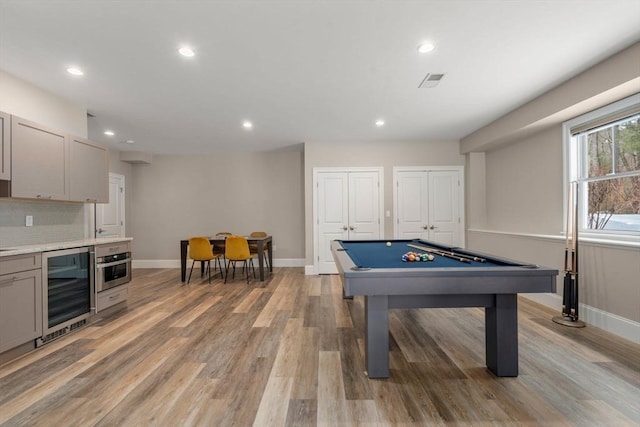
(247, 124)
(186, 51)
(425, 47)
(129, 141)
(75, 71)
(379, 123)
(109, 132)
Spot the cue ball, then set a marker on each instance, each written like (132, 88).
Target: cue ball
(388, 243)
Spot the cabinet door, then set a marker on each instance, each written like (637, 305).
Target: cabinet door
(20, 308)
(40, 161)
(89, 171)
(5, 147)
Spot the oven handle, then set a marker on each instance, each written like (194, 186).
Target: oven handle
(111, 264)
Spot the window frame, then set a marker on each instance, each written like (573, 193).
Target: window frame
(573, 162)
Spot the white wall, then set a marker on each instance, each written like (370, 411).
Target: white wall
(178, 196)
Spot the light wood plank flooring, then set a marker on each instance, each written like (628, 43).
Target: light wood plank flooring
(289, 351)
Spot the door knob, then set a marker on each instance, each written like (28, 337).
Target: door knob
(425, 227)
(352, 228)
(344, 227)
(433, 227)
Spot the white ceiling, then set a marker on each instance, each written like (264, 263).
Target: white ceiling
(303, 71)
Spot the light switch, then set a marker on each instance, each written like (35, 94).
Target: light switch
(29, 221)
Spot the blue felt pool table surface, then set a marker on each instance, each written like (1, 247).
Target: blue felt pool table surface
(376, 254)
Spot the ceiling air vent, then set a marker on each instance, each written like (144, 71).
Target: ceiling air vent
(431, 80)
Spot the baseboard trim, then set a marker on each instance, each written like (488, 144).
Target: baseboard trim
(625, 328)
(175, 263)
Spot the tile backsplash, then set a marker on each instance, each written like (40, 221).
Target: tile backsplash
(52, 222)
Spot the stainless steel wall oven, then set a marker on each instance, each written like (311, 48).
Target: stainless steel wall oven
(68, 291)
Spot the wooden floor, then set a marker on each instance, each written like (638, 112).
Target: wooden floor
(289, 351)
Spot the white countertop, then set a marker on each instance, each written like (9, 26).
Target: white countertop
(43, 247)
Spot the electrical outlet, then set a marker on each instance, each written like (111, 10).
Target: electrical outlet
(274, 248)
(29, 221)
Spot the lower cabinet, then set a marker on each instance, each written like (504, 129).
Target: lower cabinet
(20, 300)
(112, 297)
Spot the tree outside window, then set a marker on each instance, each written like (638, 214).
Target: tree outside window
(611, 158)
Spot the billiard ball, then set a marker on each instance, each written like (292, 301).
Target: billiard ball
(388, 243)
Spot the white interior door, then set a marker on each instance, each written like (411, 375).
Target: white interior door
(110, 216)
(364, 206)
(412, 205)
(444, 209)
(428, 205)
(333, 216)
(348, 206)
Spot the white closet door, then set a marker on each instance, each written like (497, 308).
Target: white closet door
(333, 216)
(412, 205)
(428, 205)
(348, 208)
(364, 206)
(444, 209)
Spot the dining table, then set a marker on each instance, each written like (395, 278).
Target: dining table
(262, 243)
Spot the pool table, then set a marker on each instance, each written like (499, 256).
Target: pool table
(375, 269)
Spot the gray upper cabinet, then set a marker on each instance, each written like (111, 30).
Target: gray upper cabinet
(5, 146)
(43, 163)
(40, 161)
(89, 171)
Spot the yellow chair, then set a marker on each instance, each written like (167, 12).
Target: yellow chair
(253, 247)
(237, 249)
(200, 250)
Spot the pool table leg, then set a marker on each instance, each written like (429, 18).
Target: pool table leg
(501, 331)
(376, 338)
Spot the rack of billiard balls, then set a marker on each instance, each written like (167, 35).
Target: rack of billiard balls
(416, 257)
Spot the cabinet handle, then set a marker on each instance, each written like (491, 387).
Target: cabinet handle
(352, 228)
(9, 280)
(344, 227)
(92, 200)
(112, 297)
(40, 196)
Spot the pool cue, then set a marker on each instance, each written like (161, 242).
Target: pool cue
(574, 259)
(567, 271)
(570, 311)
(459, 255)
(437, 252)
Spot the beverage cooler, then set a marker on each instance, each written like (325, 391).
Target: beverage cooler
(68, 291)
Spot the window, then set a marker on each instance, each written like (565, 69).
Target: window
(603, 156)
